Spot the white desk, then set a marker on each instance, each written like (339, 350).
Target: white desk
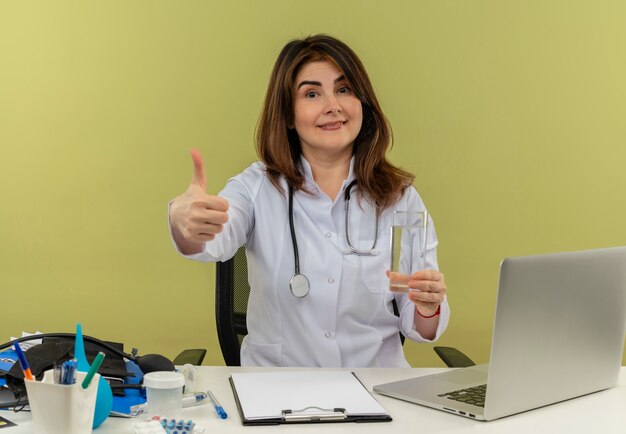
(603, 412)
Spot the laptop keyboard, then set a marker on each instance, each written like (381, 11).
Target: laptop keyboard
(472, 395)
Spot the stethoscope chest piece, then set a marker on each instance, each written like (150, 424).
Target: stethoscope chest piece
(299, 285)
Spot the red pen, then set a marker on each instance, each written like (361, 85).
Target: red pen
(22, 358)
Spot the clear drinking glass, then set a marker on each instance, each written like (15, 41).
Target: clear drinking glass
(408, 240)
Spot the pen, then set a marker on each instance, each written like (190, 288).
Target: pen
(68, 371)
(22, 358)
(189, 400)
(218, 408)
(94, 368)
(58, 373)
(194, 399)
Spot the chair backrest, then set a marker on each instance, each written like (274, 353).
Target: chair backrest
(193, 356)
(231, 303)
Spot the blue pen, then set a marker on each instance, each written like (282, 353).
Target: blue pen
(22, 358)
(68, 371)
(218, 408)
(194, 399)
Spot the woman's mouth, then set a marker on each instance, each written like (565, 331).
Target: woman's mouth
(332, 125)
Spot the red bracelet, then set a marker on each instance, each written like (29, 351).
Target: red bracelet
(437, 312)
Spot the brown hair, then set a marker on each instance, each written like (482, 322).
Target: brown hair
(278, 146)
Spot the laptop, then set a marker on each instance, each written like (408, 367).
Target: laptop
(558, 334)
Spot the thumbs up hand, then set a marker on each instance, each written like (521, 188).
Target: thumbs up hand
(196, 216)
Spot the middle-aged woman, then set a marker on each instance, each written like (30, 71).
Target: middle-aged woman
(321, 133)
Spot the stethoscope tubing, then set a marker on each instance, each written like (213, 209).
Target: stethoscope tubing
(299, 284)
(292, 229)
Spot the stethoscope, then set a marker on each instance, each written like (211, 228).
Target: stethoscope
(299, 284)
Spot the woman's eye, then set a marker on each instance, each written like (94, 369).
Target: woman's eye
(310, 94)
(344, 89)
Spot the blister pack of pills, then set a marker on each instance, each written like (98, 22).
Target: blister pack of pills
(168, 426)
(172, 426)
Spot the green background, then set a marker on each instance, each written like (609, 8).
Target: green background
(510, 113)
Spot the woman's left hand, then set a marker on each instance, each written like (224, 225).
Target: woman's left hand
(427, 290)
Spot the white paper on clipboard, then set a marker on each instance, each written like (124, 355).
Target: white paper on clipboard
(265, 395)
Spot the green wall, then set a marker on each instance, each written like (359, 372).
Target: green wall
(511, 113)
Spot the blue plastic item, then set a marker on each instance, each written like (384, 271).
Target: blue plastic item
(104, 398)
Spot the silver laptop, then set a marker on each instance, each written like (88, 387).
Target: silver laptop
(558, 334)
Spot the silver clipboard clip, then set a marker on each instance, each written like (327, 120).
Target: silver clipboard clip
(321, 415)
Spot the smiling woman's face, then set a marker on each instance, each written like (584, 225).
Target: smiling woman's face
(327, 114)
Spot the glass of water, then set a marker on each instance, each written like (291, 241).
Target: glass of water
(408, 240)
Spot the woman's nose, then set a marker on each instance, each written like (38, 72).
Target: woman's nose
(332, 105)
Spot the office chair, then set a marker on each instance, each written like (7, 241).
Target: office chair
(193, 356)
(231, 303)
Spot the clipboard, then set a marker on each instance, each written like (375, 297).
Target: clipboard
(318, 396)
